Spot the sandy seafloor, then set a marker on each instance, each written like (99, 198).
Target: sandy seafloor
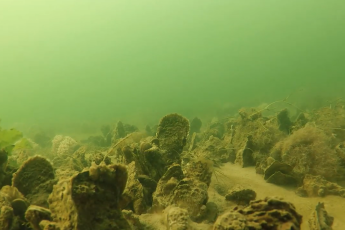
(232, 174)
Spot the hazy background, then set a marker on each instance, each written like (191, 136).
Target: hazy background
(65, 62)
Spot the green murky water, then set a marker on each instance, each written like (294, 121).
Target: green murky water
(68, 63)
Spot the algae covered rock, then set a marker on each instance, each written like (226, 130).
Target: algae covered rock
(134, 194)
(49, 225)
(200, 169)
(240, 195)
(195, 125)
(215, 149)
(177, 218)
(165, 186)
(309, 151)
(184, 192)
(269, 213)
(119, 131)
(3, 164)
(64, 145)
(232, 221)
(280, 173)
(90, 199)
(172, 133)
(6, 217)
(319, 219)
(35, 179)
(318, 186)
(133, 220)
(35, 214)
(191, 194)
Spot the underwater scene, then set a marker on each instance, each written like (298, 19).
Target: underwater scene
(172, 115)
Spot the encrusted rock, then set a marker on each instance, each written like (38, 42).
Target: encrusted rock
(240, 195)
(231, 220)
(216, 129)
(211, 212)
(133, 220)
(269, 213)
(244, 156)
(90, 199)
(119, 131)
(6, 217)
(191, 195)
(134, 194)
(318, 186)
(177, 219)
(309, 151)
(195, 125)
(279, 173)
(280, 178)
(35, 214)
(11, 193)
(165, 186)
(284, 121)
(49, 225)
(64, 145)
(215, 149)
(319, 219)
(66, 166)
(35, 179)
(172, 133)
(152, 162)
(19, 207)
(200, 169)
(3, 164)
(276, 166)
